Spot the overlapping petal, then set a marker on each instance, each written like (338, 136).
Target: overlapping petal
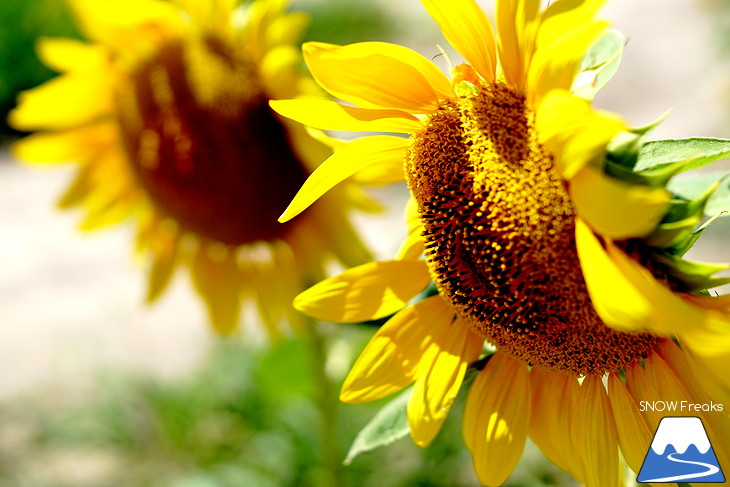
(573, 131)
(439, 381)
(594, 437)
(496, 418)
(399, 351)
(517, 23)
(553, 66)
(616, 209)
(328, 115)
(76, 145)
(366, 292)
(633, 432)
(553, 397)
(469, 31)
(65, 102)
(378, 75)
(348, 160)
(627, 297)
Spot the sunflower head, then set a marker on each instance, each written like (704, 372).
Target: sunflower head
(537, 225)
(165, 109)
(499, 231)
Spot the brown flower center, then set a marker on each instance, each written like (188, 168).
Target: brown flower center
(205, 145)
(499, 231)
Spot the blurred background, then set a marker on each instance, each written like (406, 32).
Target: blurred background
(97, 390)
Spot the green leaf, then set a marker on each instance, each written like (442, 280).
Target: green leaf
(599, 64)
(682, 154)
(387, 426)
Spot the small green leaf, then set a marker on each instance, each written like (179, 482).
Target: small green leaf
(387, 426)
(599, 64)
(682, 154)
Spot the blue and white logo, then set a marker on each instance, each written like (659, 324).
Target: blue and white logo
(680, 452)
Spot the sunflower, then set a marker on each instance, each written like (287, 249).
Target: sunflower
(165, 112)
(549, 268)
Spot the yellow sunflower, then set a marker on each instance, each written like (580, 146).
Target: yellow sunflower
(572, 273)
(165, 111)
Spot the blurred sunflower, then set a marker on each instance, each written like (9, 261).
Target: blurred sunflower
(572, 274)
(166, 113)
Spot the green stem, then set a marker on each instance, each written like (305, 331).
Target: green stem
(327, 404)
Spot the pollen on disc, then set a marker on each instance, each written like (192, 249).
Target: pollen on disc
(499, 231)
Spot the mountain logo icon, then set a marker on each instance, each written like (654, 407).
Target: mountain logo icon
(680, 452)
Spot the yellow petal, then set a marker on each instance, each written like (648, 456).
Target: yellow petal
(554, 66)
(398, 351)
(113, 24)
(64, 55)
(378, 75)
(66, 101)
(517, 23)
(594, 436)
(439, 381)
(468, 30)
(164, 264)
(617, 300)
(348, 160)
(496, 418)
(366, 292)
(573, 132)
(715, 377)
(634, 434)
(287, 29)
(627, 297)
(328, 115)
(658, 383)
(641, 389)
(77, 145)
(707, 384)
(216, 278)
(563, 16)
(616, 209)
(279, 72)
(386, 171)
(413, 246)
(553, 395)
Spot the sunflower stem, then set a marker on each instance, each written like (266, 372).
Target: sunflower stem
(326, 405)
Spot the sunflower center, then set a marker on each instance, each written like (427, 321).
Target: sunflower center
(205, 145)
(499, 231)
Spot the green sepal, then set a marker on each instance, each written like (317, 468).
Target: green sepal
(692, 238)
(655, 178)
(387, 426)
(695, 275)
(673, 236)
(713, 185)
(623, 150)
(599, 64)
(689, 204)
